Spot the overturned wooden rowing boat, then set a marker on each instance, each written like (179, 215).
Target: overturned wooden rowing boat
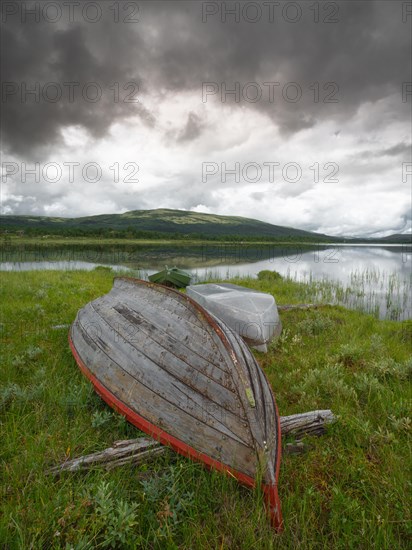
(182, 376)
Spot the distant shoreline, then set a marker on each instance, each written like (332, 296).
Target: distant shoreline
(51, 240)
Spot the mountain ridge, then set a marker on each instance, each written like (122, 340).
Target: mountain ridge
(165, 222)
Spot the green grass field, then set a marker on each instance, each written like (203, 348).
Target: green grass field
(351, 489)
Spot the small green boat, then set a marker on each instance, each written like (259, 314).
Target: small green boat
(171, 276)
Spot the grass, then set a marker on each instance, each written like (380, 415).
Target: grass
(386, 295)
(10, 242)
(350, 490)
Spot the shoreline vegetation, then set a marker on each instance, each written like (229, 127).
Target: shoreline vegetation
(47, 240)
(15, 243)
(44, 238)
(349, 490)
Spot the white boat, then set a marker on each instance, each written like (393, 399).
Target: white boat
(250, 313)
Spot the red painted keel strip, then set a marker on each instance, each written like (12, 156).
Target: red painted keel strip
(270, 491)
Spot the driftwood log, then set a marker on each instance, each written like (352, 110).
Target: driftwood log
(122, 452)
(136, 451)
(309, 423)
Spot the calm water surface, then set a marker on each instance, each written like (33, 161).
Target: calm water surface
(374, 278)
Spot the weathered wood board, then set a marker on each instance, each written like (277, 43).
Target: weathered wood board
(183, 377)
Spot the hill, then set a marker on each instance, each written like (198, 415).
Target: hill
(397, 238)
(159, 223)
(174, 224)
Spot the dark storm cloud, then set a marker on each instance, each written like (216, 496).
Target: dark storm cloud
(364, 56)
(193, 128)
(71, 61)
(400, 149)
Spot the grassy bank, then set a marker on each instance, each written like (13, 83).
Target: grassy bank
(58, 240)
(350, 490)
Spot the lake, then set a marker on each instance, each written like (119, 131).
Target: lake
(374, 278)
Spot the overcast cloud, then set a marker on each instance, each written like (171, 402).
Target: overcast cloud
(316, 133)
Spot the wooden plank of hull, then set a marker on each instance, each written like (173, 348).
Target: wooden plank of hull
(177, 361)
(183, 323)
(266, 425)
(205, 395)
(133, 373)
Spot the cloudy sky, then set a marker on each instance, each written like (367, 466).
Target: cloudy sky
(295, 113)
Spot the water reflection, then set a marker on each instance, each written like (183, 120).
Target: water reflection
(59, 266)
(374, 278)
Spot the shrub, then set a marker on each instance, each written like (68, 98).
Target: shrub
(315, 325)
(267, 275)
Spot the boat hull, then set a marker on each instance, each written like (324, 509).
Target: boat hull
(171, 276)
(251, 314)
(180, 375)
